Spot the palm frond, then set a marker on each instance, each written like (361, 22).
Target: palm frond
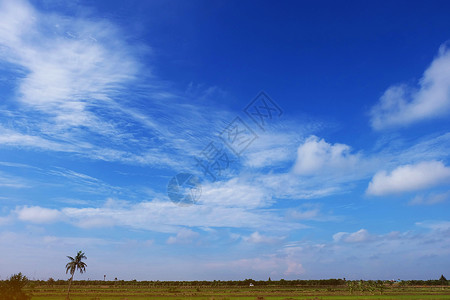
(76, 263)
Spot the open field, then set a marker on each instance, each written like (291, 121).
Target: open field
(139, 292)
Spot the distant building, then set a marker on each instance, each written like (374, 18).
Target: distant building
(251, 284)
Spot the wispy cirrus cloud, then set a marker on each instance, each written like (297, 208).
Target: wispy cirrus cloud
(9, 137)
(70, 64)
(73, 80)
(72, 68)
(10, 181)
(430, 199)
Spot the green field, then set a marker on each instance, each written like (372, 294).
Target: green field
(139, 292)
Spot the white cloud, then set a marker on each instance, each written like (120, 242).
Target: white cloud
(10, 137)
(294, 268)
(257, 238)
(316, 155)
(9, 181)
(184, 236)
(235, 193)
(276, 146)
(430, 199)
(69, 63)
(409, 178)
(311, 212)
(306, 214)
(160, 216)
(359, 236)
(73, 74)
(326, 178)
(36, 214)
(269, 156)
(402, 105)
(74, 77)
(434, 148)
(385, 256)
(440, 226)
(5, 220)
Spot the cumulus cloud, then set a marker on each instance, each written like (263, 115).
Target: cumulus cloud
(381, 254)
(184, 236)
(359, 236)
(36, 214)
(402, 104)
(294, 268)
(409, 178)
(257, 238)
(316, 155)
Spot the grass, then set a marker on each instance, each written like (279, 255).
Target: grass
(129, 292)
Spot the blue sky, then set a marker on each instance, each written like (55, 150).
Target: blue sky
(103, 103)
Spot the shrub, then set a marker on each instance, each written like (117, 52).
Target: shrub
(11, 289)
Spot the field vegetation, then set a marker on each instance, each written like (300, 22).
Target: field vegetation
(19, 287)
(223, 290)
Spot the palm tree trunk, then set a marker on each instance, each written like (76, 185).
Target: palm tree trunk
(68, 290)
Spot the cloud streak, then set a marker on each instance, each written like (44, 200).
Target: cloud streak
(431, 199)
(158, 216)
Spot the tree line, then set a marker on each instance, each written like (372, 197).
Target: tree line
(225, 283)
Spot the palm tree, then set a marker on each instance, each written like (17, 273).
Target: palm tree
(73, 265)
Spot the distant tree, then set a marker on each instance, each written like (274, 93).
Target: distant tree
(11, 289)
(73, 265)
(443, 279)
(51, 281)
(269, 279)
